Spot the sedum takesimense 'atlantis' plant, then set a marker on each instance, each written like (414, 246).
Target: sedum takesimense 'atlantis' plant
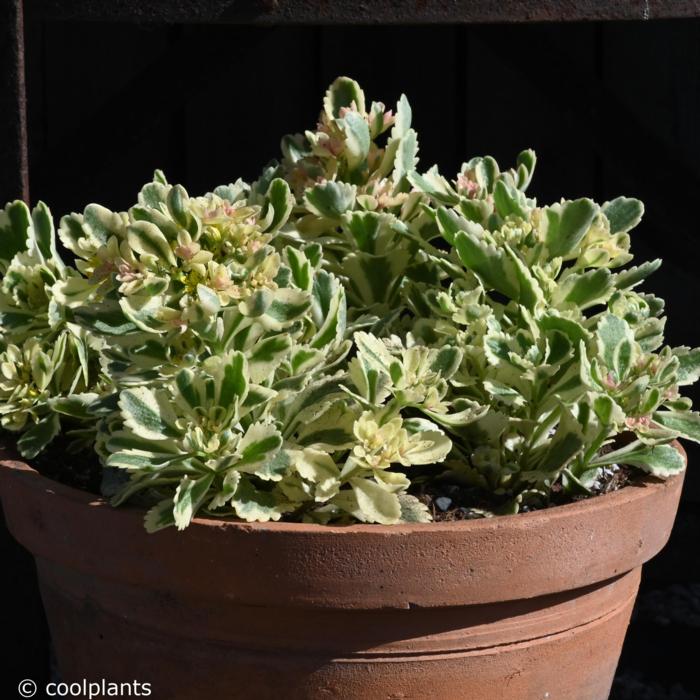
(342, 337)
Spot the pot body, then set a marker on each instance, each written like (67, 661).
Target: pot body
(524, 607)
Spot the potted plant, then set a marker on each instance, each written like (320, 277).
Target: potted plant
(420, 433)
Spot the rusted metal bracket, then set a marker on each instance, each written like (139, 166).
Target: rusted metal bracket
(14, 162)
(355, 12)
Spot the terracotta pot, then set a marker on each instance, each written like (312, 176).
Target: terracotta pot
(523, 607)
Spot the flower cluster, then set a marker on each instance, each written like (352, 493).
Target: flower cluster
(316, 344)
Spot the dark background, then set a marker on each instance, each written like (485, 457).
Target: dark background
(610, 108)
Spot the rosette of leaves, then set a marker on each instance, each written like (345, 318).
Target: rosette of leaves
(177, 279)
(313, 346)
(561, 354)
(203, 441)
(44, 357)
(281, 339)
(210, 441)
(172, 260)
(351, 180)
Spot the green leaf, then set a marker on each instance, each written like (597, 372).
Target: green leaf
(660, 460)
(566, 224)
(365, 228)
(487, 175)
(616, 344)
(328, 308)
(375, 503)
(258, 449)
(186, 385)
(333, 328)
(689, 365)
(234, 384)
(43, 234)
(413, 510)
(403, 117)
(34, 440)
(499, 268)
(446, 361)
(585, 289)
(229, 485)
(143, 309)
(236, 191)
(148, 413)
(357, 139)
(294, 147)
(74, 291)
(343, 92)
(575, 332)
(138, 462)
(178, 206)
(160, 516)
(281, 200)
(526, 162)
(287, 305)
(189, 497)
(450, 223)
(105, 318)
(373, 279)
(685, 423)
(623, 357)
(406, 157)
(330, 199)
(76, 405)
(252, 504)
(606, 409)
(14, 230)
(509, 201)
(319, 469)
(331, 431)
(147, 239)
(300, 267)
(162, 451)
(208, 300)
(623, 213)
(427, 447)
(630, 278)
(314, 394)
(434, 185)
(304, 359)
(266, 355)
(566, 443)
(102, 223)
(373, 352)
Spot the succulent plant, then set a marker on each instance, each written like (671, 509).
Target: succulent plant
(345, 333)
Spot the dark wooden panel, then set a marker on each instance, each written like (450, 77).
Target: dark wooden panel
(253, 86)
(109, 95)
(418, 61)
(362, 11)
(519, 96)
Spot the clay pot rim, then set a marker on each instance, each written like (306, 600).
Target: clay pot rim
(644, 488)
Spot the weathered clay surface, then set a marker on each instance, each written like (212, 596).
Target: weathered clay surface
(519, 607)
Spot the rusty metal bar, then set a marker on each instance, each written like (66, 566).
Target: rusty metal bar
(354, 12)
(14, 168)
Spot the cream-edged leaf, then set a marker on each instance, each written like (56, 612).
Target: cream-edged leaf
(148, 413)
(376, 504)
